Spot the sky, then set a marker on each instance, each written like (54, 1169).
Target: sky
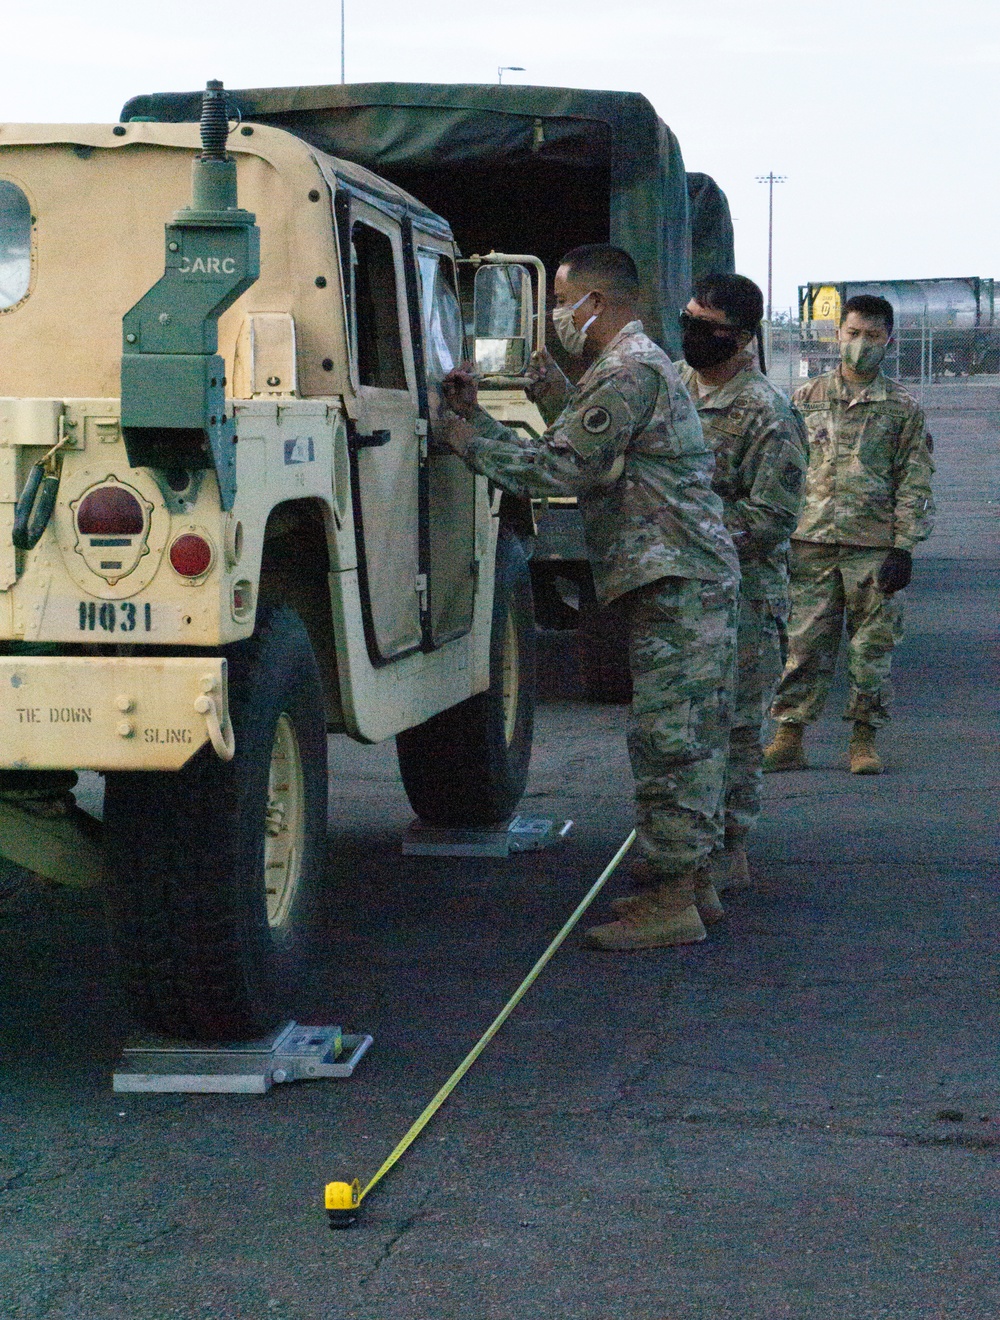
(881, 114)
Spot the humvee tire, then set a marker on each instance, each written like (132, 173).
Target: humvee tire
(468, 765)
(207, 944)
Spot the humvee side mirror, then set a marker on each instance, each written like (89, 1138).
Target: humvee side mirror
(502, 319)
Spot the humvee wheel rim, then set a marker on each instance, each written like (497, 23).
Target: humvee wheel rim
(511, 674)
(285, 823)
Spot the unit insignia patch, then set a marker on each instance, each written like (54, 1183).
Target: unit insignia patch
(791, 478)
(596, 420)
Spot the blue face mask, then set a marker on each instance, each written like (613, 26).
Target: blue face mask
(571, 336)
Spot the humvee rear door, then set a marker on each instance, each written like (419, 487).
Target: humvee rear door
(452, 486)
(385, 440)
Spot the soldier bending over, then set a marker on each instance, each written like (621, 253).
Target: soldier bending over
(629, 445)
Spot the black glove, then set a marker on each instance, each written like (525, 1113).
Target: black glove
(895, 573)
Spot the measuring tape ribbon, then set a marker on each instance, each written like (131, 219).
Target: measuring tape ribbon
(343, 1199)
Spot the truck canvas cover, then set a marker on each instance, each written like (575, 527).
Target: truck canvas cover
(712, 250)
(520, 169)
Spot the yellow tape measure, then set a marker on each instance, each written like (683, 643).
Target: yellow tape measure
(343, 1199)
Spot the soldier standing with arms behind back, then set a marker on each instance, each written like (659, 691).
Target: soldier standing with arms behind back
(629, 444)
(868, 503)
(760, 469)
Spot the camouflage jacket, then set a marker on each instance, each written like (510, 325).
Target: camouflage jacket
(870, 467)
(629, 445)
(761, 458)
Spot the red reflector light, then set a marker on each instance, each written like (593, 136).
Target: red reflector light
(191, 555)
(109, 511)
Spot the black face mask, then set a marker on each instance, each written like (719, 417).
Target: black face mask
(703, 346)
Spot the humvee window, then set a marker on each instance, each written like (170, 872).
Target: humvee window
(442, 315)
(15, 244)
(376, 316)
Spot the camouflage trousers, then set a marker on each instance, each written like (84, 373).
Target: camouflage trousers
(759, 659)
(831, 585)
(682, 643)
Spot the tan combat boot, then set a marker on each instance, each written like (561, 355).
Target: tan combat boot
(730, 868)
(706, 899)
(785, 752)
(656, 919)
(861, 750)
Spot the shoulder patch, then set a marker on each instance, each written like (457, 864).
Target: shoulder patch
(596, 420)
(791, 478)
(600, 425)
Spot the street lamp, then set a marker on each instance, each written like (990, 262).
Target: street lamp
(508, 68)
(342, 79)
(770, 179)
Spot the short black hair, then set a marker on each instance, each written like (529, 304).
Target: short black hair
(611, 268)
(870, 305)
(740, 299)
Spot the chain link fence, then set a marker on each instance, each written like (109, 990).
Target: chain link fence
(921, 355)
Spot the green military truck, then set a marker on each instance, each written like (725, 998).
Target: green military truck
(226, 530)
(537, 170)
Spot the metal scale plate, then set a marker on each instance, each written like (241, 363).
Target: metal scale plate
(522, 834)
(291, 1053)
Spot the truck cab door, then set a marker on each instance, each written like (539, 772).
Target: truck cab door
(451, 485)
(385, 444)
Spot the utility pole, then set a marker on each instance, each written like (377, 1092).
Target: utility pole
(770, 179)
(342, 78)
(508, 68)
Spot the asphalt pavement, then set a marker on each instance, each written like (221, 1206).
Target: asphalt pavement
(798, 1118)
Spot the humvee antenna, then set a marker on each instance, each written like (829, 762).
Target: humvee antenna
(214, 121)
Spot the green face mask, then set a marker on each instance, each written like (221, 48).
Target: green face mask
(862, 356)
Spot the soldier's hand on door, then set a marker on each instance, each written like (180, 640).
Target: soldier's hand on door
(460, 390)
(546, 380)
(455, 432)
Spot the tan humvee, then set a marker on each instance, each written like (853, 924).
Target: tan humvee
(197, 654)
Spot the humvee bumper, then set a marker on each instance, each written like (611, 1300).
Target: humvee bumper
(108, 712)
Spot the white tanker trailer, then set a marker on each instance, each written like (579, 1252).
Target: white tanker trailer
(944, 327)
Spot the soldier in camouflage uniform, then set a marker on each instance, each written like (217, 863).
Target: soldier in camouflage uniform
(629, 445)
(868, 503)
(760, 466)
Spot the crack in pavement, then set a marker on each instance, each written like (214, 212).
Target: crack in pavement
(403, 1228)
(22, 1179)
(78, 1261)
(762, 1123)
(925, 982)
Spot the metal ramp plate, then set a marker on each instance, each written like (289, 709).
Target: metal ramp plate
(522, 834)
(291, 1053)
